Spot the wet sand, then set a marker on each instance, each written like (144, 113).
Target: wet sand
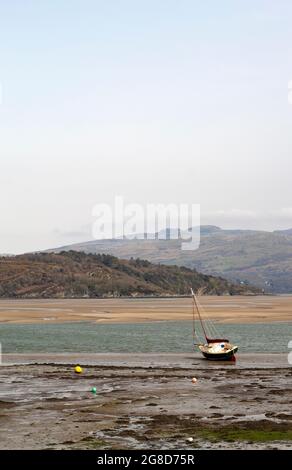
(145, 401)
(235, 309)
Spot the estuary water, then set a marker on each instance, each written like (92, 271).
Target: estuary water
(165, 336)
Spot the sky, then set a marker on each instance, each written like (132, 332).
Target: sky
(155, 101)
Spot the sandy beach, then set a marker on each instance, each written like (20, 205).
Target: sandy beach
(235, 309)
(145, 401)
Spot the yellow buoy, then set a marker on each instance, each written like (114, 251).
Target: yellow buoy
(78, 370)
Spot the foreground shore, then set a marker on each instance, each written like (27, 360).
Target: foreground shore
(228, 309)
(145, 401)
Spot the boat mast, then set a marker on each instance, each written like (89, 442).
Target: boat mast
(199, 315)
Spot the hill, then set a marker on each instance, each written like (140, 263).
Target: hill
(76, 274)
(260, 258)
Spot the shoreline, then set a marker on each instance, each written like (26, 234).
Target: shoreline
(221, 309)
(147, 401)
(146, 360)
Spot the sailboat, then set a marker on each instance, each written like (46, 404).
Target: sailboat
(215, 348)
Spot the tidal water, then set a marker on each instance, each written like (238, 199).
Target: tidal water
(164, 336)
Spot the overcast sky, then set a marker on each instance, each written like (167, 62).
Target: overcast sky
(157, 101)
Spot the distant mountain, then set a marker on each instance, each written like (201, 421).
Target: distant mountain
(207, 229)
(260, 258)
(284, 232)
(73, 274)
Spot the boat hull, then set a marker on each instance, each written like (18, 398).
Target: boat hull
(216, 348)
(220, 356)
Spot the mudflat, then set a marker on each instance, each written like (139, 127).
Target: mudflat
(229, 309)
(145, 401)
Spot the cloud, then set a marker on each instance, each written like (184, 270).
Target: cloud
(233, 214)
(286, 212)
(82, 234)
(235, 218)
(236, 213)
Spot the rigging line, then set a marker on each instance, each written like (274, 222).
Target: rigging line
(194, 332)
(201, 330)
(211, 326)
(198, 311)
(195, 335)
(194, 329)
(212, 329)
(216, 330)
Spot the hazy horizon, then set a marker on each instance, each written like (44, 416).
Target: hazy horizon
(81, 237)
(160, 102)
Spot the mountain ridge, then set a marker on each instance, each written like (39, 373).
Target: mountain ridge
(75, 275)
(257, 257)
